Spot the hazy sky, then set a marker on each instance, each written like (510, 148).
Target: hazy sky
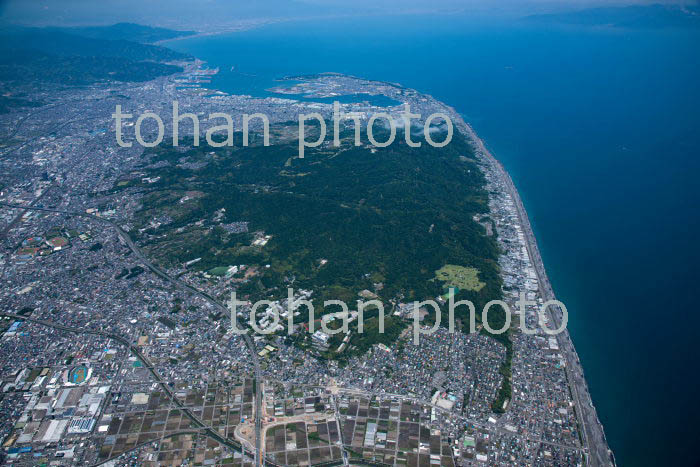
(201, 13)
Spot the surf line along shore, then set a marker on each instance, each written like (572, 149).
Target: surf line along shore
(595, 444)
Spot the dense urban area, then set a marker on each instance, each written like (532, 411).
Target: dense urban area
(117, 266)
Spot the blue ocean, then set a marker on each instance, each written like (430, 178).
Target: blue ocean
(600, 129)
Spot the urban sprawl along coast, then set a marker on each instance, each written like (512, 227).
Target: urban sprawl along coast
(111, 357)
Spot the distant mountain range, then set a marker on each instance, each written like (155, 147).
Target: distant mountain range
(648, 16)
(126, 31)
(57, 42)
(86, 55)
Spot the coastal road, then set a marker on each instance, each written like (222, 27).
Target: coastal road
(595, 443)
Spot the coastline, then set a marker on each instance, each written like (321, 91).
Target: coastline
(238, 27)
(556, 106)
(593, 440)
(596, 446)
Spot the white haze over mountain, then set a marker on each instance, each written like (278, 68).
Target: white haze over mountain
(202, 14)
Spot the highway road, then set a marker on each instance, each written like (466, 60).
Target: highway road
(183, 286)
(146, 363)
(595, 444)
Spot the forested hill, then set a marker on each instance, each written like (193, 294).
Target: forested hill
(637, 16)
(49, 55)
(126, 31)
(340, 221)
(63, 44)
